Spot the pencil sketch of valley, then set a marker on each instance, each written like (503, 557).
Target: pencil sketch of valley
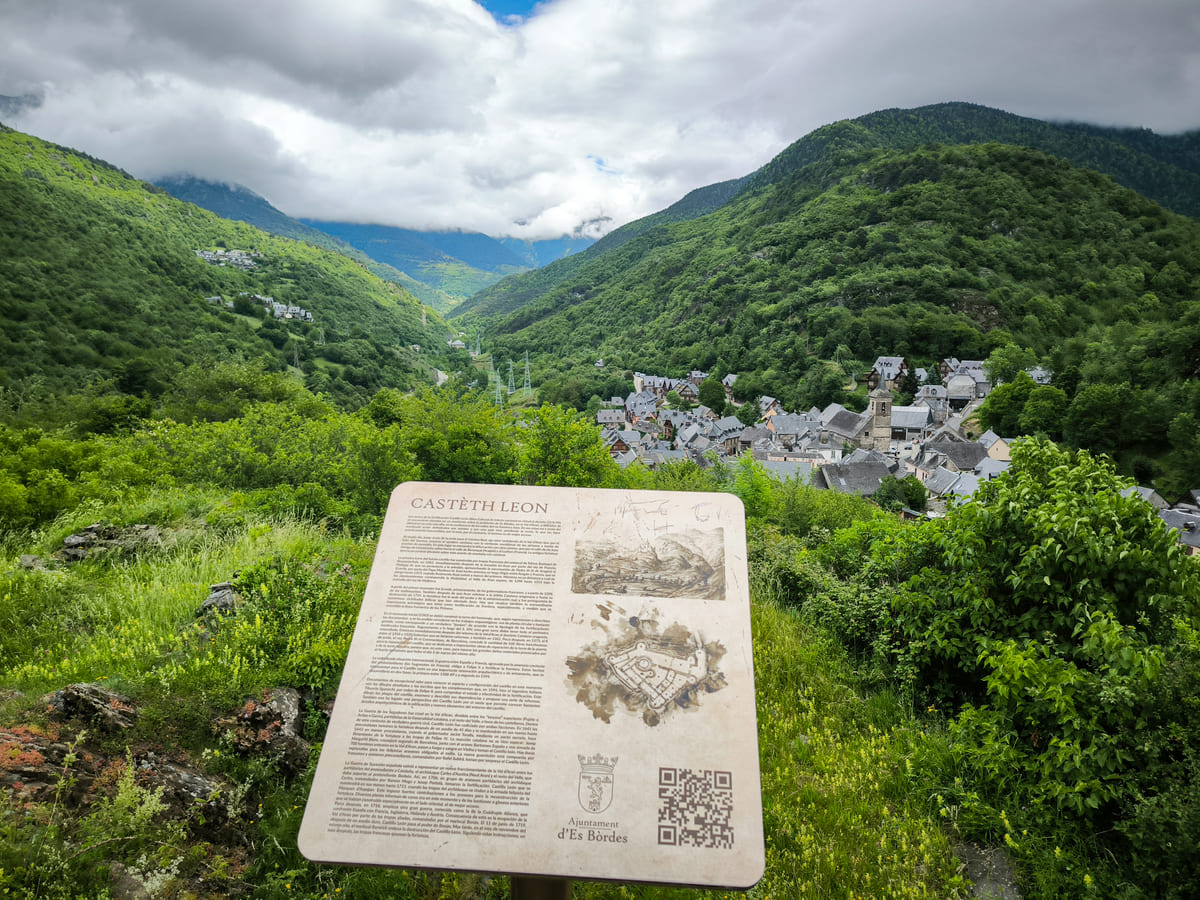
(680, 563)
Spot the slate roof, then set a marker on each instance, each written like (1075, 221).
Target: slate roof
(624, 460)
(793, 423)
(989, 468)
(676, 417)
(1187, 524)
(661, 457)
(861, 456)
(644, 408)
(1150, 495)
(851, 478)
(729, 426)
(610, 416)
(963, 455)
(940, 481)
(752, 433)
(1040, 375)
(966, 485)
(911, 418)
(848, 424)
(888, 367)
(988, 438)
(784, 469)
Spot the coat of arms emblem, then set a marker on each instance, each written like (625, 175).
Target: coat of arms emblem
(596, 782)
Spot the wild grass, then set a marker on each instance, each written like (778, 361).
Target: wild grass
(840, 815)
(113, 620)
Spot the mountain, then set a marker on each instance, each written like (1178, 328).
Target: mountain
(103, 288)
(440, 268)
(235, 201)
(845, 250)
(536, 254)
(431, 257)
(457, 262)
(512, 293)
(968, 235)
(1165, 168)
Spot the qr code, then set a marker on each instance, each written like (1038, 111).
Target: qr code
(694, 807)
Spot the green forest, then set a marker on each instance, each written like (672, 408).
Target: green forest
(102, 295)
(1021, 675)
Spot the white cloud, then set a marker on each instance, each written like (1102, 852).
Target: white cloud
(427, 113)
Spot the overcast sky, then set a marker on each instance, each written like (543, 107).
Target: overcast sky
(575, 113)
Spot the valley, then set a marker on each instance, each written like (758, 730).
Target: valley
(947, 358)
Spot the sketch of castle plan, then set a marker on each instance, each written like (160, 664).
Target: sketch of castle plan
(658, 676)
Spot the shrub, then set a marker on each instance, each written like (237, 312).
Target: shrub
(1049, 609)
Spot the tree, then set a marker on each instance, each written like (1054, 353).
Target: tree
(453, 439)
(1046, 611)
(1003, 363)
(224, 390)
(747, 413)
(1044, 411)
(896, 493)
(559, 447)
(1002, 409)
(909, 385)
(712, 394)
(676, 402)
(1095, 419)
(822, 385)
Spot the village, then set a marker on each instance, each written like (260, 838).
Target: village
(838, 449)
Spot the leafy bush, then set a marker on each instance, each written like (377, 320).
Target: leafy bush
(1051, 611)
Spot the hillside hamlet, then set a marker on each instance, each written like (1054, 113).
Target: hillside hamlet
(838, 449)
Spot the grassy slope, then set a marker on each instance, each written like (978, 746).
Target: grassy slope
(838, 814)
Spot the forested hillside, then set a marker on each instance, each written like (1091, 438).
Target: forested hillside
(1164, 168)
(929, 253)
(102, 292)
(512, 293)
(243, 205)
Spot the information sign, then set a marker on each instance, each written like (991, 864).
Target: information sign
(549, 681)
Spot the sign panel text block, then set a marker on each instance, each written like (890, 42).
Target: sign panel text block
(549, 681)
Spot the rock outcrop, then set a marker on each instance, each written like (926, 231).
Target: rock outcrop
(270, 725)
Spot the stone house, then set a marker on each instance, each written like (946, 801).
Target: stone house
(887, 372)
